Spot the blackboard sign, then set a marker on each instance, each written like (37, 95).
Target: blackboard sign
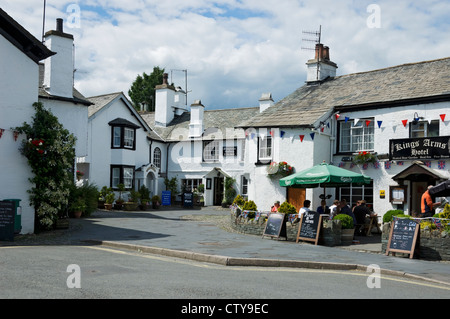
(7, 212)
(188, 199)
(276, 225)
(403, 236)
(166, 197)
(309, 227)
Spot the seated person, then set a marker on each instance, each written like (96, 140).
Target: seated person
(302, 210)
(344, 209)
(275, 207)
(323, 208)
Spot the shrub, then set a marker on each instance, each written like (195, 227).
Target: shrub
(239, 200)
(250, 205)
(145, 193)
(346, 221)
(287, 208)
(387, 218)
(86, 196)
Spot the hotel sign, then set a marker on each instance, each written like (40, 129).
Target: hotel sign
(420, 148)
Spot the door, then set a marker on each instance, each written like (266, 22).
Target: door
(417, 190)
(218, 190)
(296, 197)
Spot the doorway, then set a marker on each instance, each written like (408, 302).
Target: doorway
(218, 190)
(296, 197)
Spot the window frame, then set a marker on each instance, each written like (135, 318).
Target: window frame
(368, 132)
(426, 128)
(121, 178)
(157, 159)
(123, 139)
(214, 148)
(263, 145)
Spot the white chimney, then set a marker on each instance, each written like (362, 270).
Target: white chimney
(164, 102)
(196, 124)
(265, 102)
(58, 76)
(320, 67)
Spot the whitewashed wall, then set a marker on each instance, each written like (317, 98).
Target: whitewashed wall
(18, 91)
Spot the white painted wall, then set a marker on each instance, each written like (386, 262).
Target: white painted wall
(18, 91)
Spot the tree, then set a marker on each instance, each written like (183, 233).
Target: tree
(142, 91)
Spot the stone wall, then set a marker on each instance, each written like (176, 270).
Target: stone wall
(330, 234)
(433, 244)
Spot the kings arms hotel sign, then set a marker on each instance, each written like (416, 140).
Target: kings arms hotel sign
(420, 148)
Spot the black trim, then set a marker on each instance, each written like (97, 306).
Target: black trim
(121, 181)
(122, 137)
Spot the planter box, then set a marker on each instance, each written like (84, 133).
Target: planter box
(130, 206)
(347, 236)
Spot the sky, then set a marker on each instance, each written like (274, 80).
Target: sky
(233, 51)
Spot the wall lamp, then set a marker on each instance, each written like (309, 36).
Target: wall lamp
(416, 118)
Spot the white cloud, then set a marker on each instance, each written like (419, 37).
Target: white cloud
(235, 50)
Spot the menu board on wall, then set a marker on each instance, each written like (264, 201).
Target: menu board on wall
(7, 212)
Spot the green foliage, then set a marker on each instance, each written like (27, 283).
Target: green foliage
(145, 193)
(50, 151)
(86, 196)
(287, 208)
(171, 185)
(230, 192)
(387, 218)
(142, 90)
(251, 206)
(156, 199)
(110, 197)
(134, 196)
(239, 200)
(446, 212)
(346, 221)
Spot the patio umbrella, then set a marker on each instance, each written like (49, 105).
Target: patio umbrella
(324, 175)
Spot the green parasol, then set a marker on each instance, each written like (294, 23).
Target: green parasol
(324, 175)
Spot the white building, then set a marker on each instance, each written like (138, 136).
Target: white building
(332, 118)
(19, 69)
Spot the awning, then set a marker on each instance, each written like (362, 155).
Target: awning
(218, 170)
(416, 170)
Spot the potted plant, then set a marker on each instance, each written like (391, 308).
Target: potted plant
(155, 202)
(347, 228)
(120, 201)
(145, 197)
(133, 201)
(78, 207)
(109, 199)
(102, 196)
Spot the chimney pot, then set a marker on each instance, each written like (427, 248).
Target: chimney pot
(165, 78)
(59, 25)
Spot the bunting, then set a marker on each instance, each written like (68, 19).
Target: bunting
(312, 135)
(442, 117)
(302, 137)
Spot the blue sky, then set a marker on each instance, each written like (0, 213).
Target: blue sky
(235, 50)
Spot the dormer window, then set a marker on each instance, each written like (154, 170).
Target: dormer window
(123, 134)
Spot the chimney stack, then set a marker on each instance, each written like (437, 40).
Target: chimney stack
(196, 125)
(58, 76)
(320, 67)
(164, 102)
(265, 102)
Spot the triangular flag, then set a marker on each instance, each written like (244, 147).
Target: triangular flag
(442, 117)
(302, 137)
(328, 124)
(246, 133)
(404, 122)
(282, 133)
(337, 116)
(271, 133)
(346, 119)
(379, 123)
(368, 122)
(355, 121)
(322, 128)
(312, 135)
(252, 135)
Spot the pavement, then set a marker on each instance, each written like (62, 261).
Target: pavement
(205, 235)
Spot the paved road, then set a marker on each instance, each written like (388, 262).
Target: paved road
(97, 272)
(171, 230)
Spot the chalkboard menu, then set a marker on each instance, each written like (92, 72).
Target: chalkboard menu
(309, 227)
(403, 236)
(188, 199)
(276, 225)
(7, 212)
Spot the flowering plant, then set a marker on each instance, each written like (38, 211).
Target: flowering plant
(282, 168)
(79, 175)
(37, 144)
(364, 157)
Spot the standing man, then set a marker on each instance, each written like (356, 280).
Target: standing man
(427, 204)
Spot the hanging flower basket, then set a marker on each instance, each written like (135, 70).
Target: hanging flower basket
(281, 169)
(364, 157)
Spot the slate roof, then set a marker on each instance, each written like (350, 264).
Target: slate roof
(215, 122)
(403, 84)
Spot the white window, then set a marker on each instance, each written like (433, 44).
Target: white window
(244, 186)
(122, 175)
(355, 138)
(128, 141)
(157, 157)
(354, 193)
(265, 148)
(210, 151)
(117, 136)
(128, 173)
(115, 177)
(190, 184)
